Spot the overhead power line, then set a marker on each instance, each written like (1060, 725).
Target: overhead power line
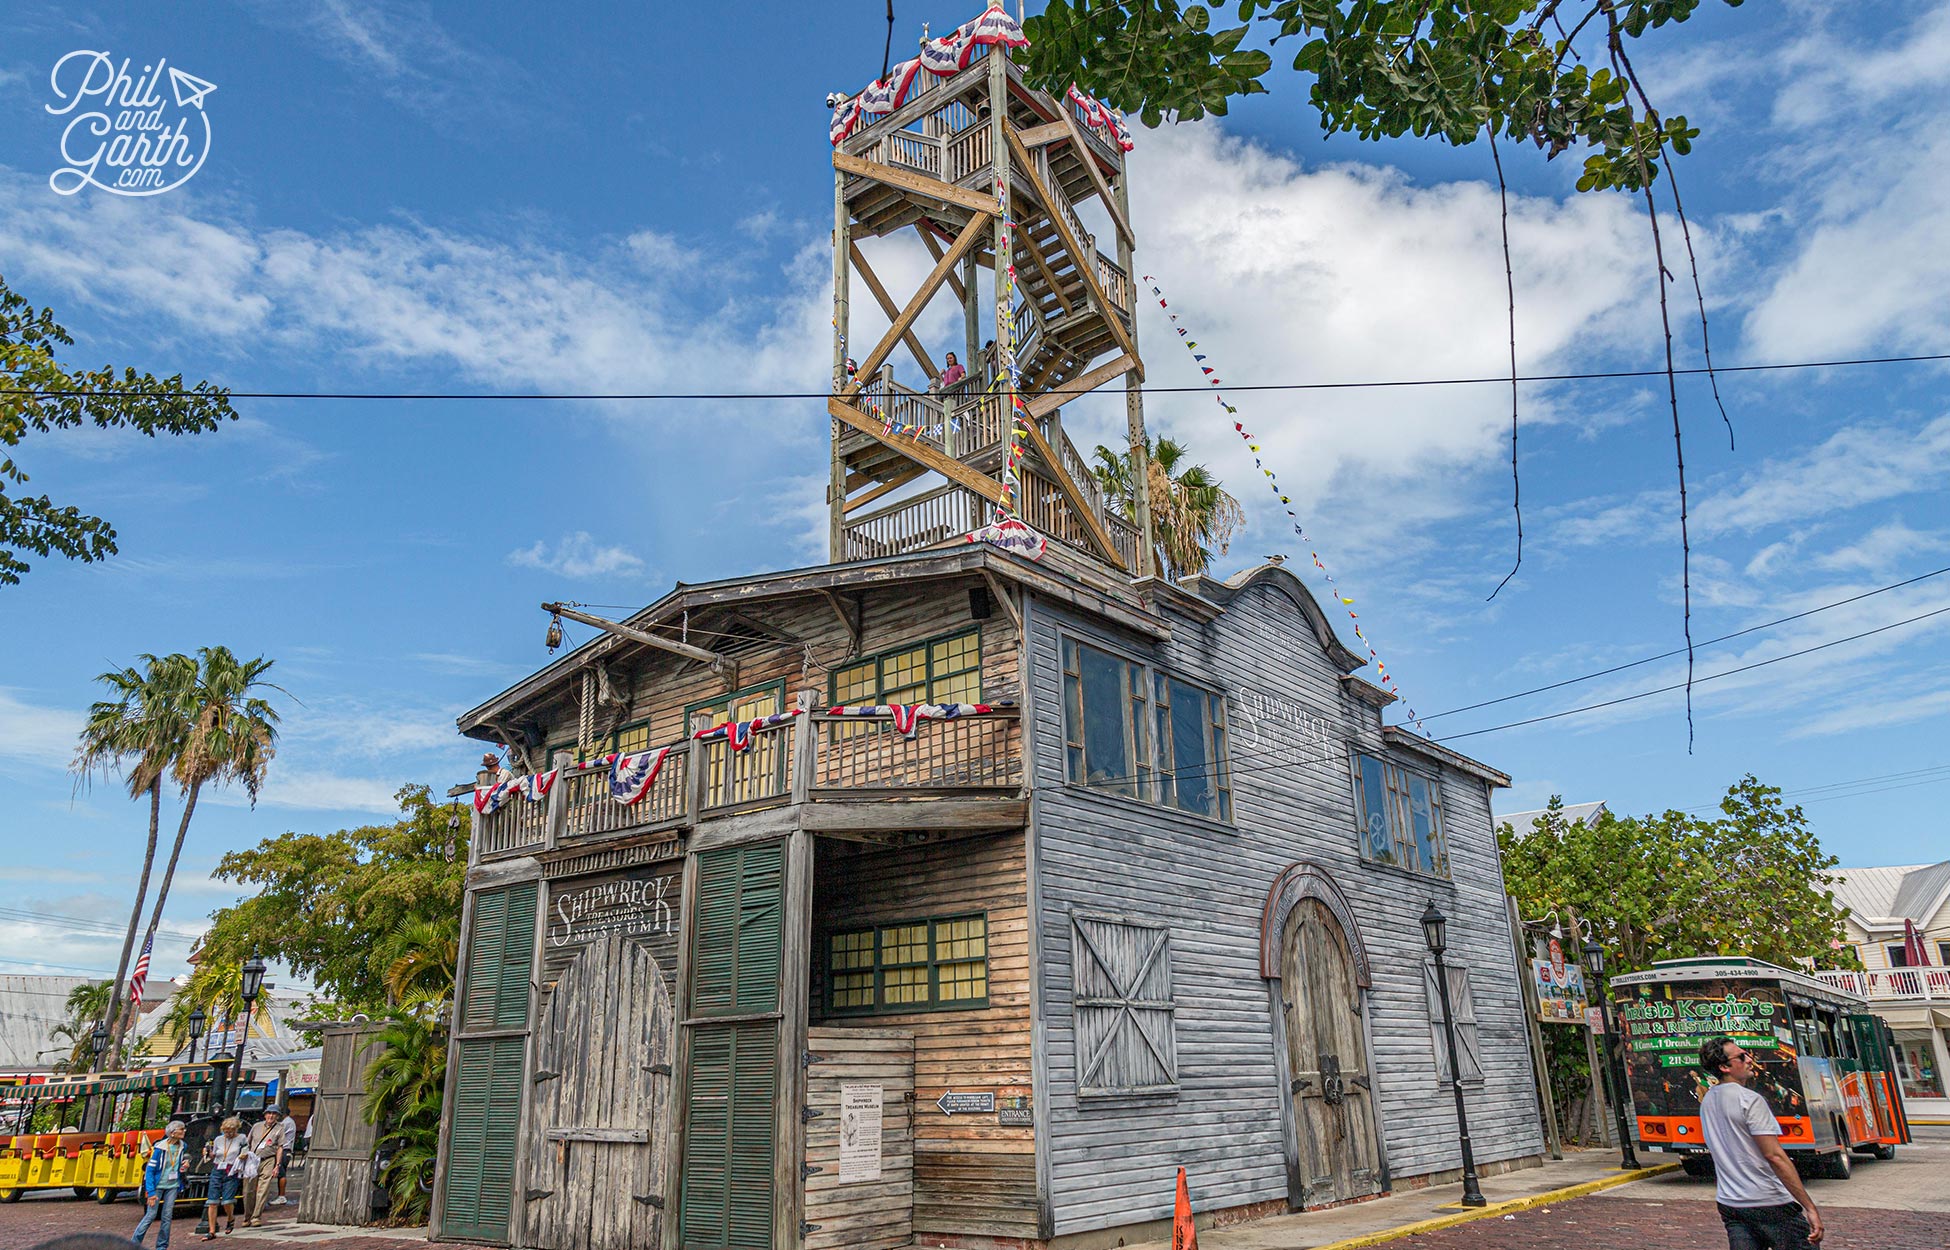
(736, 396)
(1698, 681)
(1665, 655)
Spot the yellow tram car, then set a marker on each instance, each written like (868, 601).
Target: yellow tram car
(96, 1160)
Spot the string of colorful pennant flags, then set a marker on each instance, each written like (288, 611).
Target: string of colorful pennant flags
(1286, 501)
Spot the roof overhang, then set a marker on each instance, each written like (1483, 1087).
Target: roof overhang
(1395, 735)
(1119, 604)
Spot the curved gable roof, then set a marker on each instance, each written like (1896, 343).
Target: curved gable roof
(1278, 577)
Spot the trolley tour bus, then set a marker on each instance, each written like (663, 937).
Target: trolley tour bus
(1827, 1067)
(90, 1154)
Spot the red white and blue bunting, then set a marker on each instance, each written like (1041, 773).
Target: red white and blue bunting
(907, 717)
(534, 787)
(940, 58)
(631, 776)
(948, 56)
(739, 732)
(1286, 501)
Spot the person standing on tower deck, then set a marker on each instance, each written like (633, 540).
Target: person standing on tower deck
(1762, 1201)
(951, 373)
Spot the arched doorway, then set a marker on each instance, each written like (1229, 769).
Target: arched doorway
(1311, 950)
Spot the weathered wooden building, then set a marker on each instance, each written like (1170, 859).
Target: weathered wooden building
(954, 895)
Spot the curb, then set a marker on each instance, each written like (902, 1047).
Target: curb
(1931, 1123)
(1499, 1208)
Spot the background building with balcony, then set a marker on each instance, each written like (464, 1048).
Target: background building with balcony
(1884, 904)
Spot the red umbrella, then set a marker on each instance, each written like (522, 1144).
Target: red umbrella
(1914, 949)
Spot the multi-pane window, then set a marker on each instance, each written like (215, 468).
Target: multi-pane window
(1400, 813)
(1143, 733)
(627, 741)
(1191, 748)
(940, 670)
(1104, 723)
(915, 965)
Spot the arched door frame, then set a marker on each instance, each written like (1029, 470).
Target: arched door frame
(1303, 881)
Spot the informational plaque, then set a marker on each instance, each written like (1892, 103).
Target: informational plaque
(860, 1132)
(1594, 1019)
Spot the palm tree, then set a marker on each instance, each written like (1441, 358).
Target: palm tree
(232, 735)
(404, 1085)
(421, 956)
(138, 732)
(87, 1007)
(1190, 512)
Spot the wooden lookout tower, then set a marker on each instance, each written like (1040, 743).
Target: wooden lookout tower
(956, 146)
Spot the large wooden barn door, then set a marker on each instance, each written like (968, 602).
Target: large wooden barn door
(1327, 1059)
(601, 1106)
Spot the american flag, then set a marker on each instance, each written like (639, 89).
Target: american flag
(140, 976)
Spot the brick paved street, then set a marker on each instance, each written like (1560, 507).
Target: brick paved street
(1602, 1221)
(38, 1217)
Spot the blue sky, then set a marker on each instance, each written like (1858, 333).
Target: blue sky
(635, 198)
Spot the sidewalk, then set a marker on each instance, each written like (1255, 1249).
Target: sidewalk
(1369, 1223)
(1927, 1110)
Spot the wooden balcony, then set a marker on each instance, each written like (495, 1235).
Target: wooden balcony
(1921, 986)
(816, 760)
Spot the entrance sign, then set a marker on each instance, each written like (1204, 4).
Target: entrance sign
(1561, 997)
(860, 1108)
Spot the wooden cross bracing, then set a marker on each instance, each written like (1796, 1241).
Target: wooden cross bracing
(971, 163)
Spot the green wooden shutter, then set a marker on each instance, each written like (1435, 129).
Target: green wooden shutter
(727, 1198)
(500, 953)
(737, 937)
(481, 1140)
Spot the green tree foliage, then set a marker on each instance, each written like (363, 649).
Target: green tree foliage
(403, 1095)
(86, 1007)
(337, 909)
(42, 396)
(1191, 514)
(1447, 69)
(1751, 880)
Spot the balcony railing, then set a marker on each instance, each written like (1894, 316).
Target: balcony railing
(815, 757)
(1925, 984)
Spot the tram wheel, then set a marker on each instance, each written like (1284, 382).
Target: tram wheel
(84, 1191)
(106, 1196)
(12, 1195)
(1839, 1166)
(1697, 1166)
(1885, 1152)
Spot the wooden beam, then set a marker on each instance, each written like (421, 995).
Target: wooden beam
(1073, 495)
(997, 592)
(915, 184)
(942, 268)
(1097, 177)
(891, 484)
(917, 451)
(888, 306)
(636, 635)
(851, 626)
(934, 249)
(841, 812)
(1042, 265)
(1043, 405)
(1077, 254)
(1037, 136)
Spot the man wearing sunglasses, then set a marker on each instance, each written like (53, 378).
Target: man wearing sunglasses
(1762, 1201)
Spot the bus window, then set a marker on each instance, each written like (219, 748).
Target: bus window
(1825, 1031)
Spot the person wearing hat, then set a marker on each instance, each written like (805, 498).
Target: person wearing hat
(266, 1148)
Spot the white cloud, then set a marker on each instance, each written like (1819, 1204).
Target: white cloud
(320, 792)
(578, 555)
(43, 737)
(1881, 549)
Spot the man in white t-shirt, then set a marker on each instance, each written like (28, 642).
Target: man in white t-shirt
(1762, 1201)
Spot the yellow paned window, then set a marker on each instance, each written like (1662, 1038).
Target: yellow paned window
(913, 966)
(635, 738)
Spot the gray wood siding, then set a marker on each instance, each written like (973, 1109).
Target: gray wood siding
(1113, 1161)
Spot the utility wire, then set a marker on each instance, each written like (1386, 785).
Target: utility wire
(1744, 668)
(732, 396)
(1619, 668)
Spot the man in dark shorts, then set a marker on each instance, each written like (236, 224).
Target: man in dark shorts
(1762, 1201)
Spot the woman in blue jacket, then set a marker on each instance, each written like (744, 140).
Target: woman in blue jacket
(162, 1180)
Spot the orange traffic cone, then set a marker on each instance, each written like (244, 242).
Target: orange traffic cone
(1184, 1236)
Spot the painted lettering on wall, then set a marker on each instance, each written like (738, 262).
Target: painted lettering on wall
(1269, 722)
(635, 907)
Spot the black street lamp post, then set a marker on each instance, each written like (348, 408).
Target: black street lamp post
(1616, 1080)
(1435, 928)
(253, 983)
(197, 1022)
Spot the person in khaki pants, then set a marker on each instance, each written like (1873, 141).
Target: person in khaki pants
(266, 1143)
